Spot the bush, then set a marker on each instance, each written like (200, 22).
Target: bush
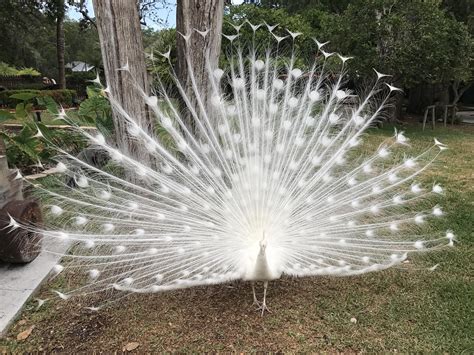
(11, 98)
(79, 81)
(81, 76)
(6, 69)
(25, 148)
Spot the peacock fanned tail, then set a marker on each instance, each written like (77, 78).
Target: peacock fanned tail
(270, 156)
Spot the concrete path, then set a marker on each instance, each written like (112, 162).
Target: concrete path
(19, 282)
(467, 116)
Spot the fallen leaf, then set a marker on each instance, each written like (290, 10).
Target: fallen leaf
(131, 346)
(22, 322)
(25, 334)
(353, 320)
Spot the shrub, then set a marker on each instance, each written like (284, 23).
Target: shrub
(6, 69)
(11, 98)
(24, 148)
(79, 81)
(81, 76)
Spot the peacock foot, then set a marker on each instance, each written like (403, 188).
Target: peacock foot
(263, 307)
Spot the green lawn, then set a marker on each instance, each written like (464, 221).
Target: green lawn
(404, 310)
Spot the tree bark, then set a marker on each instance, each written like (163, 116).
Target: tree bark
(121, 43)
(458, 90)
(397, 113)
(60, 45)
(199, 15)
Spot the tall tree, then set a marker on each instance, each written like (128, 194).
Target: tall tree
(56, 11)
(60, 44)
(192, 16)
(121, 43)
(27, 35)
(415, 41)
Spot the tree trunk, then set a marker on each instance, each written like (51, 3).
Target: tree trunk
(60, 45)
(426, 94)
(397, 113)
(459, 91)
(121, 43)
(199, 15)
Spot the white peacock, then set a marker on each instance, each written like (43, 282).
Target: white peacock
(270, 181)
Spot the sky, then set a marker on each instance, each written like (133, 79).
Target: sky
(168, 15)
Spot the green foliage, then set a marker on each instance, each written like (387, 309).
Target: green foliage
(40, 99)
(26, 148)
(462, 10)
(96, 110)
(79, 81)
(82, 76)
(156, 43)
(28, 36)
(262, 39)
(415, 41)
(6, 115)
(28, 71)
(82, 44)
(6, 69)
(302, 6)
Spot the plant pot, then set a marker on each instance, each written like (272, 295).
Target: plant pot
(20, 245)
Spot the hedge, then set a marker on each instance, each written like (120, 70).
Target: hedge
(65, 98)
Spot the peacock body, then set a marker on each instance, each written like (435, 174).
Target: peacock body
(268, 179)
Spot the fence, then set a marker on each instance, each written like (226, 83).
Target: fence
(18, 82)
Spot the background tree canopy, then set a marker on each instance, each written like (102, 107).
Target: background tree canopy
(426, 45)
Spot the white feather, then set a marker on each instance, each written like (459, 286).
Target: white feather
(268, 181)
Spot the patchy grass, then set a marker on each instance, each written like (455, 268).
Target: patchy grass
(408, 310)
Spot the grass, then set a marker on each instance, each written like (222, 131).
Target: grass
(404, 310)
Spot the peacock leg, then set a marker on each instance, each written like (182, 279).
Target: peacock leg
(255, 301)
(263, 306)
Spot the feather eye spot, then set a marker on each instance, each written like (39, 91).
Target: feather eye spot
(259, 65)
(293, 102)
(419, 244)
(278, 84)
(56, 210)
(314, 96)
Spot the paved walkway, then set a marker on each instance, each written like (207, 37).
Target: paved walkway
(467, 116)
(19, 282)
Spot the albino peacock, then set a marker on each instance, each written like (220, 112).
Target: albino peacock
(269, 180)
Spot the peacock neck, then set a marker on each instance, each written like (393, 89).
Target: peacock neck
(262, 269)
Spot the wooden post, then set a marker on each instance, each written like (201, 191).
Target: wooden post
(433, 117)
(425, 117)
(445, 114)
(121, 43)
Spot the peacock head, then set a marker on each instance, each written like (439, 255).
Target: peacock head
(263, 244)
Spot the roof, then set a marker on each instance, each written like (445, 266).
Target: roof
(78, 66)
